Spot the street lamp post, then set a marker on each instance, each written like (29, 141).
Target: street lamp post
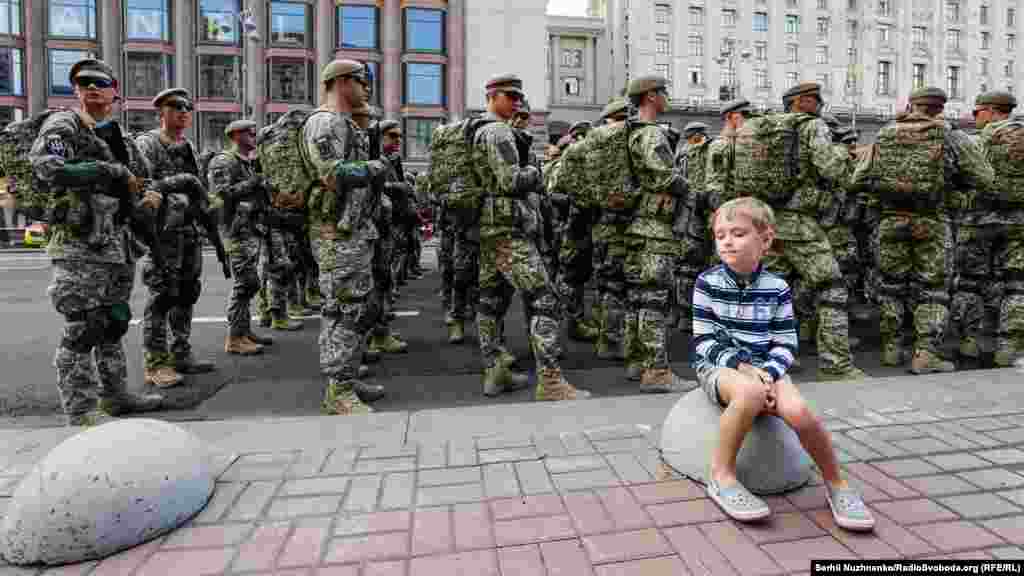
(250, 27)
(728, 55)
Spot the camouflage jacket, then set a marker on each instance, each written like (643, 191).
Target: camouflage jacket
(229, 174)
(1006, 214)
(168, 159)
(504, 210)
(609, 226)
(653, 161)
(73, 162)
(691, 160)
(718, 187)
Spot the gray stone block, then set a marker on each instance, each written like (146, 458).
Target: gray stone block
(398, 491)
(628, 468)
(978, 505)
(104, 490)
(362, 494)
(1005, 456)
(957, 461)
(533, 477)
(253, 501)
(585, 479)
(442, 495)
(444, 476)
(500, 480)
(994, 479)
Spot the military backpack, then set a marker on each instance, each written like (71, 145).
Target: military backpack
(16, 141)
(279, 150)
(909, 166)
(1006, 153)
(767, 157)
(610, 176)
(452, 147)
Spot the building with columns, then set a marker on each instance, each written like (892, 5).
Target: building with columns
(416, 49)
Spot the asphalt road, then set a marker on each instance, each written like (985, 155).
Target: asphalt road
(285, 381)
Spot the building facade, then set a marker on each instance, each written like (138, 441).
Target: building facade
(239, 58)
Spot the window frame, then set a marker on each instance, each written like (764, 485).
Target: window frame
(885, 8)
(696, 13)
(1008, 68)
(168, 15)
(916, 80)
(661, 41)
(883, 79)
(983, 14)
(17, 71)
(1011, 43)
(884, 35)
(695, 41)
(16, 16)
(662, 14)
(792, 23)
(167, 67)
(792, 53)
(405, 84)
(310, 90)
(730, 16)
(759, 75)
(953, 84)
(565, 82)
(130, 127)
(338, 28)
(792, 79)
(698, 69)
(763, 18)
(308, 33)
(49, 71)
(199, 78)
(406, 28)
(821, 54)
(986, 40)
(236, 41)
(1011, 16)
(577, 57)
(953, 39)
(94, 22)
(922, 42)
(824, 27)
(952, 10)
(761, 51)
(983, 65)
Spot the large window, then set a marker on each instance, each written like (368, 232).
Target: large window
(73, 18)
(696, 16)
(696, 45)
(424, 84)
(761, 78)
(884, 78)
(12, 82)
(953, 82)
(728, 17)
(883, 34)
(919, 34)
(424, 30)
(696, 75)
(375, 85)
(1011, 43)
(147, 73)
(792, 53)
(138, 121)
(289, 80)
(357, 27)
(10, 17)
(665, 71)
(417, 134)
(1011, 17)
(825, 80)
(885, 7)
(792, 24)
(572, 57)
(823, 28)
(289, 24)
(760, 21)
(983, 15)
(661, 13)
(572, 86)
(821, 55)
(211, 129)
(953, 39)
(919, 76)
(1008, 69)
(792, 78)
(147, 20)
(952, 10)
(761, 51)
(61, 62)
(218, 21)
(986, 40)
(983, 65)
(661, 43)
(218, 77)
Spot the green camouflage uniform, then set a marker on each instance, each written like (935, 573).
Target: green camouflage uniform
(575, 249)
(692, 160)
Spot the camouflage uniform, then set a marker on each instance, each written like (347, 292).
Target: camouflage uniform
(692, 162)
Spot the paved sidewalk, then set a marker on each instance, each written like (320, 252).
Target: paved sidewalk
(578, 489)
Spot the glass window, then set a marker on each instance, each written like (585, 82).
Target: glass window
(696, 45)
(290, 80)
(10, 17)
(661, 13)
(1011, 17)
(728, 17)
(952, 11)
(761, 78)
(884, 78)
(357, 27)
(760, 21)
(424, 30)
(792, 24)
(661, 42)
(138, 121)
(375, 96)
(885, 7)
(73, 18)
(821, 54)
(953, 82)
(761, 51)
(696, 75)
(218, 21)
(147, 73)
(424, 84)
(218, 77)
(12, 82)
(417, 134)
(983, 64)
(986, 40)
(211, 129)
(792, 53)
(289, 23)
(851, 4)
(1011, 42)
(571, 85)
(822, 4)
(792, 78)
(696, 16)
(823, 27)
(883, 35)
(919, 36)
(147, 20)
(61, 62)
(572, 57)
(729, 78)
(953, 39)
(983, 15)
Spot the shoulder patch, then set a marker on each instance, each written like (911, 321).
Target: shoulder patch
(325, 147)
(55, 145)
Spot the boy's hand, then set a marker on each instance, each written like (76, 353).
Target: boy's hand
(764, 378)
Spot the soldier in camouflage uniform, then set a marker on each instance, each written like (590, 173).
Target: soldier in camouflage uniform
(509, 257)
(994, 247)
(914, 237)
(691, 160)
(173, 290)
(241, 196)
(342, 230)
(444, 221)
(76, 157)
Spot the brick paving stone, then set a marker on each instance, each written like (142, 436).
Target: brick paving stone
(533, 478)
(863, 544)
(441, 495)
(779, 504)
(873, 476)
(957, 461)
(883, 447)
(622, 445)
(493, 442)
(588, 513)
(661, 492)
(389, 451)
(904, 541)
(306, 544)
(907, 512)
(1010, 529)
(477, 563)
(565, 558)
(628, 468)
(625, 511)
(939, 485)
(253, 501)
(577, 443)
(521, 560)
(433, 455)
(807, 498)
(575, 463)
(381, 465)
(310, 463)
(462, 452)
(362, 494)
(686, 512)
(315, 486)
(432, 532)
(697, 552)
(740, 551)
(586, 479)
(507, 455)
(1004, 456)
(393, 521)
(527, 506)
(341, 461)
(907, 467)
(963, 439)
(473, 527)
(351, 570)
(979, 505)
(500, 480)
(623, 546)
(220, 536)
(1007, 553)
(955, 536)
(389, 568)
(1012, 436)
(260, 466)
(200, 562)
(614, 432)
(550, 447)
(224, 495)
(80, 569)
(854, 448)
(533, 530)
(900, 432)
(665, 566)
(923, 445)
(781, 528)
(282, 508)
(1016, 496)
(912, 417)
(798, 555)
(972, 555)
(867, 491)
(943, 429)
(385, 546)
(260, 550)
(127, 561)
(446, 476)
(993, 479)
(398, 490)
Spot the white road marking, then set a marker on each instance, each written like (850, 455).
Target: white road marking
(224, 319)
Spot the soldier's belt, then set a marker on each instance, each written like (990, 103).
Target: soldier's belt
(914, 205)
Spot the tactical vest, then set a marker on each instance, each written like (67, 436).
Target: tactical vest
(655, 209)
(909, 166)
(170, 160)
(1005, 151)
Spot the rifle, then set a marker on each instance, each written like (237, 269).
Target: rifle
(196, 194)
(257, 168)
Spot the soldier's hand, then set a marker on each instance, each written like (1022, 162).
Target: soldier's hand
(152, 200)
(134, 186)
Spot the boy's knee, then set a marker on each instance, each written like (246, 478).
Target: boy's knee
(799, 416)
(750, 392)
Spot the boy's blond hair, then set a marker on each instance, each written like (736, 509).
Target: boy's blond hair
(759, 213)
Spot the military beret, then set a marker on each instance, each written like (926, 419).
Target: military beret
(802, 89)
(92, 68)
(340, 68)
(171, 93)
(740, 105)
(580, 127)
(239, 125)
(388, 125)
(645, 84)
(928, 93)
(695, 127)
(505, 83)
(614, 107)
(996, 98)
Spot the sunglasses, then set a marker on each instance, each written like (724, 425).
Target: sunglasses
(516, 96)
(180, 105)
(87, 81)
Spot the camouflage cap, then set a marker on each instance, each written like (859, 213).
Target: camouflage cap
(802, 89)
(171, 93)
(505, 83)
(695, 128)
(645, 84)
(929, 94)
(614, 107)
(389, 125)
(996, 98)
(740, 105)
(92, 68)
(238, 125)
(342, 68)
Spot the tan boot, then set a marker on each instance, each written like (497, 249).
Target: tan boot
(841, 374)
(500, 378)
(969, 347)
(892, 353)
(927, 362)
(340, 399)
(162, 377)
(242, 346)
(552, 386)
(664, 381)
(1006, 354)
(388, 344)
(456, 332)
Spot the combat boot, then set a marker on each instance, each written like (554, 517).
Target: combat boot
(371, 357)
(340, 399)
(969, 348)
(841, 374)
(298, 311)
(388, 344)
(242, 346)
(582, 331)
(186, 363)
(128, 403)
(552, 386)
(261, 340)
(893, 353)
(313, 299)
(500, 378)
(286, 324)
(634, 372)
(1006, 353)
(506, 359)
(162, 377)
(266, 320)
(89, 419)
(365, 391)
(664, 381)
(456, 333)
(927, 362)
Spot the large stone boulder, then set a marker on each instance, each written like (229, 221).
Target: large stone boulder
(104, 490)
(771, 459)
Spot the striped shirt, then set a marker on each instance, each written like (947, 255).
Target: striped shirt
(738, 322)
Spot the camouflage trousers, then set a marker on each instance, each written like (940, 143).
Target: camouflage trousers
(383, 282)
(515, 264)
(650, 281)
(445, 260)
(348, 304)
(467, 273)
(847, 253)
(913, 258)
(401, 242)
(279, 271)
(692, 260)
(576, 267)
(990, 275)
(85, 293)
(173, 292)
(244, 252)
(610, 273)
